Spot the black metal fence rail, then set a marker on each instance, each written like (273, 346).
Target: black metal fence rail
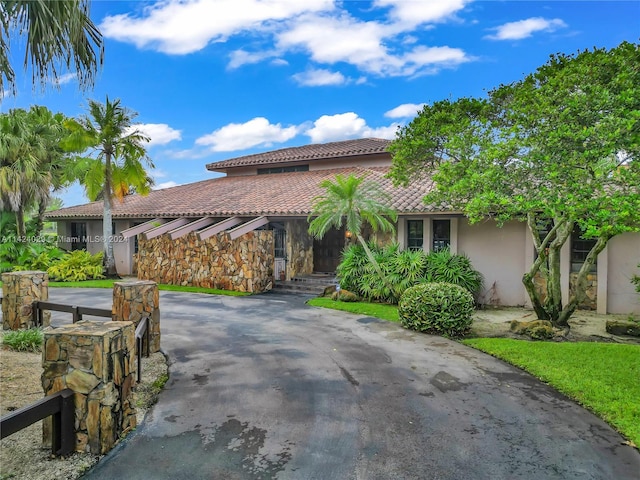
(76, 311)
(60, 405)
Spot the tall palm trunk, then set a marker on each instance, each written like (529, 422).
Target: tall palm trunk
(109, 261)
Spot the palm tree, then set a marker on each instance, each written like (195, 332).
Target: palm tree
(352, 201)
(58, 33)
(115, 164)
(31, 162)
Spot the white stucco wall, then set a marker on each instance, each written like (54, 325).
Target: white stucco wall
(499, 254)
(623, 257)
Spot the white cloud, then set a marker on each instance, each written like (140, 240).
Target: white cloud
(319, 77)
(525, 28)
(66, 78)
(159, 133)
(343, 126)
(406, 110)
(240, 136)
(181, 27)
(330, 40)
(241, 57)
(168, 184)
(322, 29)
(412, 13)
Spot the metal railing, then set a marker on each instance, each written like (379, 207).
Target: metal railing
(142, 342)
(77, 312)
(60, 405)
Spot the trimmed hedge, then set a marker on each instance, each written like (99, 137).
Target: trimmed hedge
(437, 308)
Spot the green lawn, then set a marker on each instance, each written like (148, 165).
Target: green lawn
(378, 310)
(108, 283)
(603, 377)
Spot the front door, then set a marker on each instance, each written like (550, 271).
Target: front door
(327, 252)
(280, 254)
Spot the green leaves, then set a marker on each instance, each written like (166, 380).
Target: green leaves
(562, 143)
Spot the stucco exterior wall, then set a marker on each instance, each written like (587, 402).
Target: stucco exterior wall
(244, 264)
(499, 254)
(623, 257)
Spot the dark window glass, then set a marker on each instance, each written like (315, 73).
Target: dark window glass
(441, 234)
(291, 168)
(580, 248)
(280, 250)
(78, 236)
(415, 236)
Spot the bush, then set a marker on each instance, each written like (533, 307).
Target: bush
(437, 308)
(636, 281)
(77, 266)
(443, 266)
(24, 340)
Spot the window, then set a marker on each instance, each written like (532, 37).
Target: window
(291, 168)
(580, 248)
(280, 244)
(415, 238)
(78, 236)
(441, 234)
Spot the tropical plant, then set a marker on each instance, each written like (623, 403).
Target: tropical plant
(77, 266)
(437, 308)
(32, 162)
(558, 148)
(115, 163)
(443, 266)
(24, 340)
(352, 202)
(636, 281)
(57, 33)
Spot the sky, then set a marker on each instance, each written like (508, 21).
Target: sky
(218, 79)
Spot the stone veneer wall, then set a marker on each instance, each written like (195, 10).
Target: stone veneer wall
(19, 291)
(244, 264)
(299, 248)
(97, 360)
(134, 300)
(591, 300)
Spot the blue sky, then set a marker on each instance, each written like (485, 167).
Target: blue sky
(216, 79)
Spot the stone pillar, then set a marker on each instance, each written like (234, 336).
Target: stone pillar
(97, 361)
(19, 291)
(132, 301)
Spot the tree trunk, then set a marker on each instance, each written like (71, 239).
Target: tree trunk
(580, 287)
(20, 226)
(42, 208)
(108, 261)
(553, 304)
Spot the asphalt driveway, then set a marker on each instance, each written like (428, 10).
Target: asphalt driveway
(266, 387)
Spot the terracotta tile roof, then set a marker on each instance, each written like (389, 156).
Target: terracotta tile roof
(282, 194)
(321, 151)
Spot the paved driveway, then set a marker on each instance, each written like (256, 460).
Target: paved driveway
(267, 387)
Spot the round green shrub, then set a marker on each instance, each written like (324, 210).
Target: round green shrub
(437, 308)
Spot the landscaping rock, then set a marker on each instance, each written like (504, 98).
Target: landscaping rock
(621, 327)
(536, 329)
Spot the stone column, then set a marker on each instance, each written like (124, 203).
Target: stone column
(19, 291)
(132, 301)
(97, 360)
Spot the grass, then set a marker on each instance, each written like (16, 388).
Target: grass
(379, 310)
(602, 377)
(24, 340)
(108, 283)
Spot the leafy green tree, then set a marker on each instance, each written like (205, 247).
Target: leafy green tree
(558, 150)
(351, 201)
(31, 162)
(115, 162)
(58, 34)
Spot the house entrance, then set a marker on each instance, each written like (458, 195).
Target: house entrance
(280, 253)
(327, 252)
